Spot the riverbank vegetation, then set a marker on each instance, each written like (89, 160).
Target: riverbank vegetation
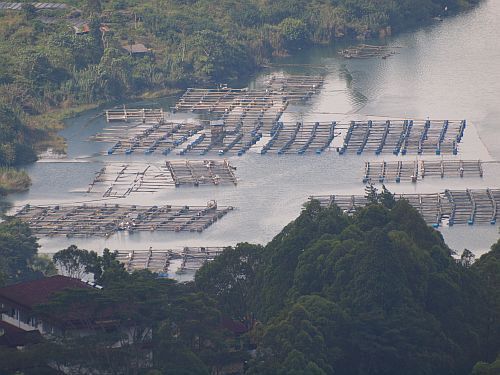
(373, 292)
(13, 180)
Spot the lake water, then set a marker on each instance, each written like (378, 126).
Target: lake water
(448, 70)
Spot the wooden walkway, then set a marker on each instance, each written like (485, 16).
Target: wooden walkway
(190, 259)
(405, 137)
(105, 220)
(413, 171)
(458, 206)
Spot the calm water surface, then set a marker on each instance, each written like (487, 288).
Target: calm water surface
(449, 70)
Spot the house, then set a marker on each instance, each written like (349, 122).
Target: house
(137, 49)
(23, 323)
(80, 26)
(13, 337)
(18, 301)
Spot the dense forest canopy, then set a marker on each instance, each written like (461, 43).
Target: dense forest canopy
(374, 293)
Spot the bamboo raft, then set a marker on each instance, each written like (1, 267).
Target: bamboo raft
(397, 171)
(106, 220)
(160, 261)
(457, 206)
(300, 138)
(405, 137)
(366, 51)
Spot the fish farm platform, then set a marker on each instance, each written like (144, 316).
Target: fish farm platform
(458, 206)
(403, 137)
(146, 137)
(413, 171)
(105, 220)
(123, 179)
(159, 261)
(279, 89)
(245, 123)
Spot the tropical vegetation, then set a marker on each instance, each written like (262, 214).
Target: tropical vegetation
(371, 292)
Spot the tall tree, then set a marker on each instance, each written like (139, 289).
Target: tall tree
(18, 249)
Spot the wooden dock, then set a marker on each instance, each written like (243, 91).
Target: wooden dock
(105, 220)
(190, 259)
(405, 137)
(470, 206)
(413, 171)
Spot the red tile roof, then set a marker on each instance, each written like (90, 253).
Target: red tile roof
(36, 292)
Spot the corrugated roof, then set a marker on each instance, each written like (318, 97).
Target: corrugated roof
(36, 292)
(136, 48)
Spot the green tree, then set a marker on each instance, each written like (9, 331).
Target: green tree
(18, 249)
(402, 303)
(294, 33)
(29, 11)
(13, 139)
(80, 263)
(229, 278)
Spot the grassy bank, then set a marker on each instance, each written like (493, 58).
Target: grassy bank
(13, 180)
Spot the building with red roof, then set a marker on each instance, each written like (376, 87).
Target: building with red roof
(18, 302)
